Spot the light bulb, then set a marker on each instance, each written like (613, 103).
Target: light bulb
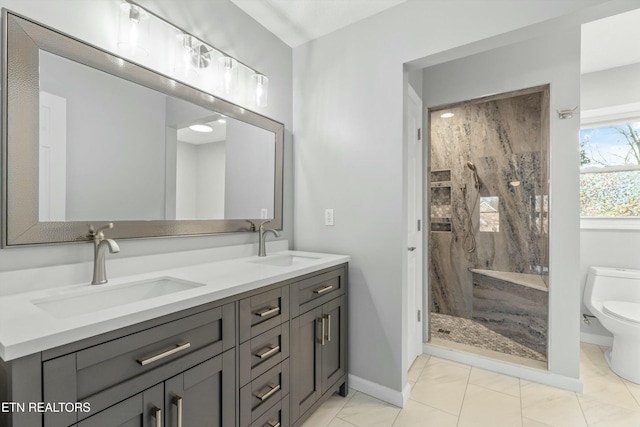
(133, 30)
(261, 89)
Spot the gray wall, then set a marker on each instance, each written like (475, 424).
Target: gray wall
(555, 60)
(607, 247)
(348, 100)
(220, 23)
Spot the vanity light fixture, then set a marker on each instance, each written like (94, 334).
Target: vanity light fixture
(261, 89)
(201, 128)
(447, 115)
(229, 71)
(133, 29)
(194, 54)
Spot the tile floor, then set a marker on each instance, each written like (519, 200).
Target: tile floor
(447, 394)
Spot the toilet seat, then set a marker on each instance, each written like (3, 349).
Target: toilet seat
(629, 311)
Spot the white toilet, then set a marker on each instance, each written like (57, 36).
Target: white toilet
(613, 296)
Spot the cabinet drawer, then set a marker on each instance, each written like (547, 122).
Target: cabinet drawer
(102, 366)
(276, 416)
(262, 312)
(314, 291)
(263, 352)
(257, 397)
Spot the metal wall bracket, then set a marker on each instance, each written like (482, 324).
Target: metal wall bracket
(566, 114)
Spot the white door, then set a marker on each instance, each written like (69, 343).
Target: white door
(52, 178)
(415, 312)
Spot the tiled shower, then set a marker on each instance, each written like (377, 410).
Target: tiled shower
(488, 239)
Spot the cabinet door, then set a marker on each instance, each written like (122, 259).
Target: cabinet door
(334, 354)
(306, 385)
(203, 396)
(141, 410)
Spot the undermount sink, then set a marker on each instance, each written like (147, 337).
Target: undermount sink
(99, 297)
(284, 260)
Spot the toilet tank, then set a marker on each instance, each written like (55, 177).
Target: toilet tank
(612, 284)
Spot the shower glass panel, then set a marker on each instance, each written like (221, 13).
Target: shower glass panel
(489, 267)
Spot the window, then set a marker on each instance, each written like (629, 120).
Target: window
(610, 170)
(489, 214)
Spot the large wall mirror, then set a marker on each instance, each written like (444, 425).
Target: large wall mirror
(90, 138)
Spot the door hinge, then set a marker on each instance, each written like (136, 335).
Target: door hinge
(419, 225)
(419, 134)
(419, 316)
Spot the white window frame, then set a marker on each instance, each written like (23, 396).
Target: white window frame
(603, 117)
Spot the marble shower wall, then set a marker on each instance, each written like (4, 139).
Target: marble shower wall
(506, 138)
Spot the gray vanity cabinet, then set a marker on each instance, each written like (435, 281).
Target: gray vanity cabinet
(141, 410)
(191, 356)
(200, 396)
(267, 357)
(318, 342)
(203, 395)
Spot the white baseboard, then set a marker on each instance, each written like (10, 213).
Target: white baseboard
(604, 340)
(531, 374)
(386, 394)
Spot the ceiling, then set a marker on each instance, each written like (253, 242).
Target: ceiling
(611, 42)
(296, 22)
(606, 43)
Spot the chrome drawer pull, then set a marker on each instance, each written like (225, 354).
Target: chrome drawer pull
(179, 347)
(178, 402)
(157, 413)
(328, 317)
(273, 423)
(322, 330)
(267, 311)
(272, 349)
(264, 396)
(323, 290)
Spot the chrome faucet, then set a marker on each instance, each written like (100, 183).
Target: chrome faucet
(263, 231)
(100, 244)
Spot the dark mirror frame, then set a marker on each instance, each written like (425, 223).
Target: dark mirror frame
(22, 40)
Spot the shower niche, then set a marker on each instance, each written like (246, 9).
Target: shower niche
(488, 175)
(440, 200)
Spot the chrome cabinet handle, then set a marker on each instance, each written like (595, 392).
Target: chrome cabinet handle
(273, 423)
(264, 396)
(157, 413)
(323, 290)
(322, 330)
(412, 248)
(267, 311)
(179, 347)
(328, 317)
(266, 352)
(178, 402)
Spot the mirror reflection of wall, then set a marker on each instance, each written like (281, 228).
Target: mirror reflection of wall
(200, 170)
(114, 150)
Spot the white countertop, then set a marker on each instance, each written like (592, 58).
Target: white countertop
(25, 328)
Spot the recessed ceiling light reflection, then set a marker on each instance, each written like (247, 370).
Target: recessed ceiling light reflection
(201, 128)
(447, 115)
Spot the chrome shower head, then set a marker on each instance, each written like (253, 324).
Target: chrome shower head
(471, 166)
